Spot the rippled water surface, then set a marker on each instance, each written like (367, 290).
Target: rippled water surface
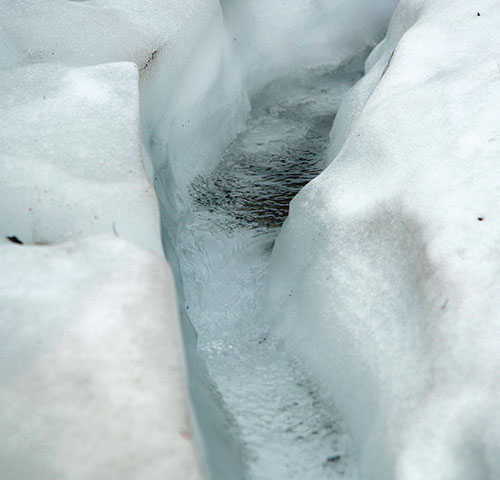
(236, 214)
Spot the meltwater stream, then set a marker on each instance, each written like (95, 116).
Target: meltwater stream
(224, 250)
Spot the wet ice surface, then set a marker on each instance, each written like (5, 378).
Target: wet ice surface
(225, 248)
(279, 152)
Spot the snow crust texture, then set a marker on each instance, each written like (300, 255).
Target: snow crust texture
(384, 279)
(92, 369)
(92, 378)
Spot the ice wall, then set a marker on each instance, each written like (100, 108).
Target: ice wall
(192, 111)
(190, 116)
(385, 277)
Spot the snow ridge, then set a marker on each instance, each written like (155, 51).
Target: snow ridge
(392, 252)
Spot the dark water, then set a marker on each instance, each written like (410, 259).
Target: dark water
(280, 151)
(237, 211)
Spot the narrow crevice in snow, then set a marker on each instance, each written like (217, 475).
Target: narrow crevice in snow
(268, 405)
(255, 414)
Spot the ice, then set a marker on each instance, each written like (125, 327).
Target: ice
(236, 212)
(275, 37)
(190, 116)
(240, 53)
(245, 46)
(391, 254)
(280, 150)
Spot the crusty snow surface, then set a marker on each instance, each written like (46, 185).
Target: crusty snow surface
(92, 371)
(393, 255)
(92, 368)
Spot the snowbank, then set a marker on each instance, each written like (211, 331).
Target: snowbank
(71, 155)
(385, 277)
(92, 378)
(93, 372)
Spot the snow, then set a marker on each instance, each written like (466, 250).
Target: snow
(391, 255)
(92, 364)
(92, 379)
(273, 38)
(75, 127)
(94, 31)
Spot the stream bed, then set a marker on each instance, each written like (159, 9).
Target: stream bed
(236, 212)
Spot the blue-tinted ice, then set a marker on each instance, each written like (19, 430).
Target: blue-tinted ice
(224, 252)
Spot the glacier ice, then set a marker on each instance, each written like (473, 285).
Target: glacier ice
(382, 282)
(189, 142)
(237, 210)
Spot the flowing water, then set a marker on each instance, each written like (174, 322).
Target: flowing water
(224, 252)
